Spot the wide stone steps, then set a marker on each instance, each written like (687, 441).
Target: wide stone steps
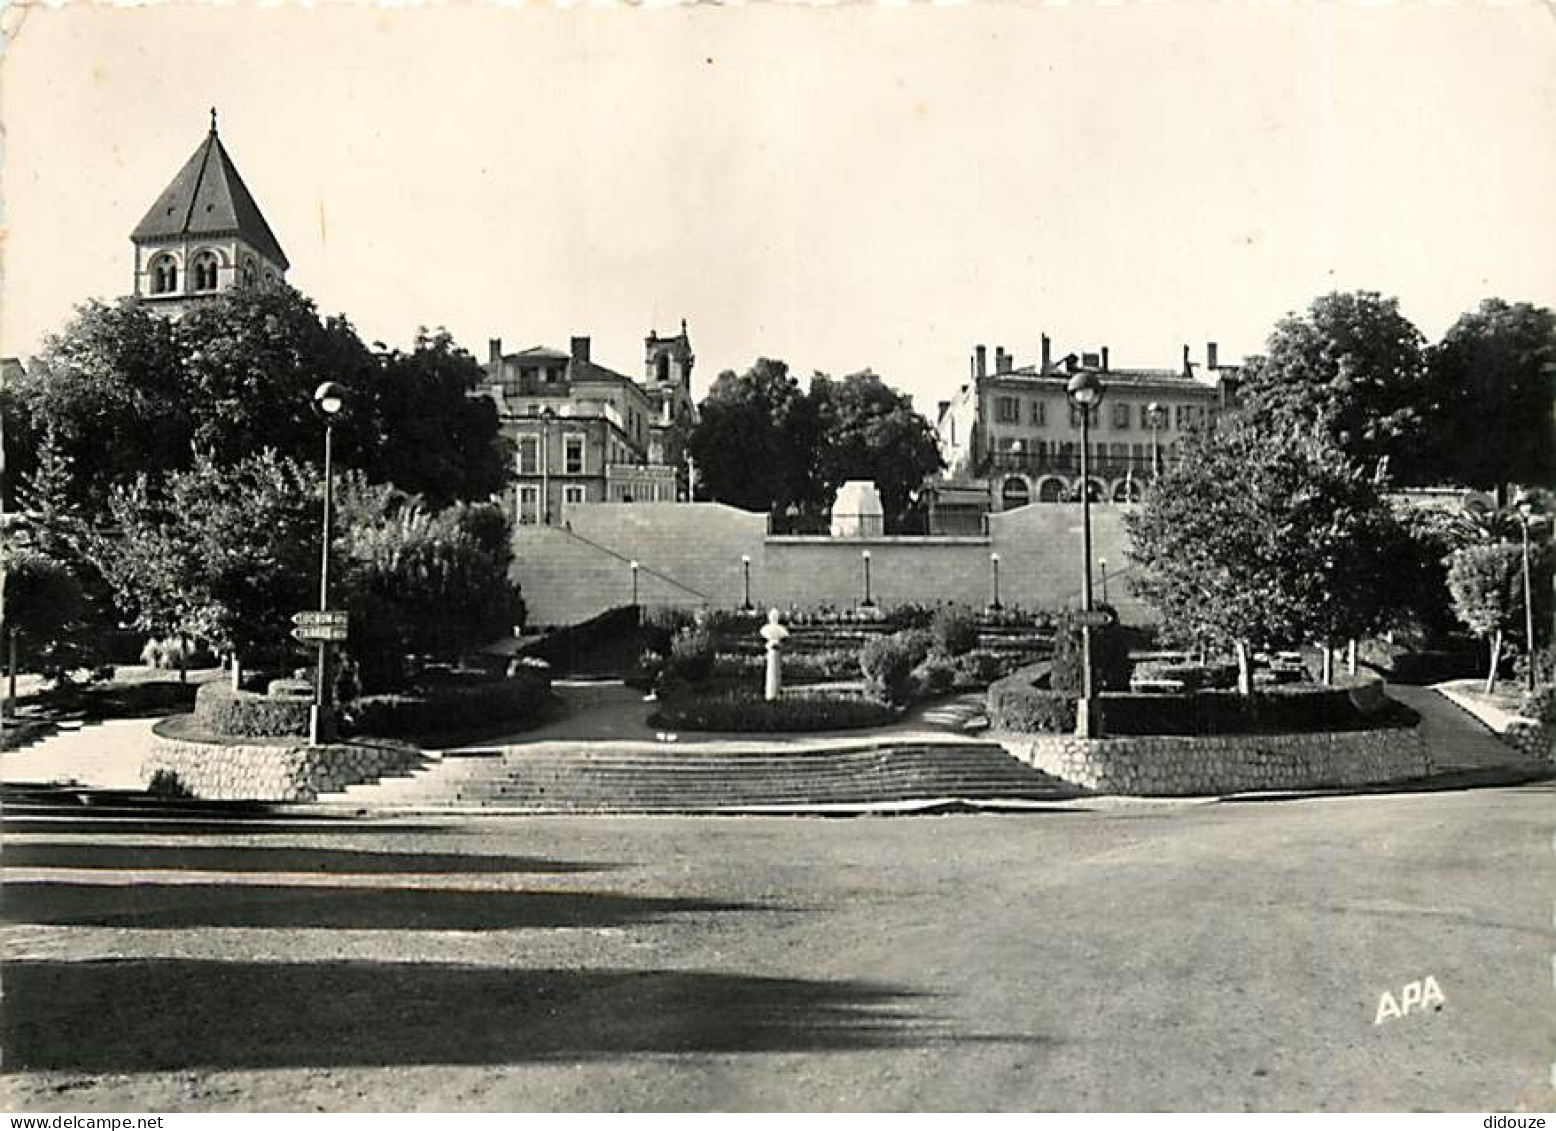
(686, 778)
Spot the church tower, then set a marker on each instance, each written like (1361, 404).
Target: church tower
(204, 234)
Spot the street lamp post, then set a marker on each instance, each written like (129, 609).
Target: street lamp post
(1527, 518)
(1153, 412)
(547, 415)
(1085, 391)
(745, 567)
(867, 602)
(994, 565)
(328, 401)
(633, 565)
(1103, 564)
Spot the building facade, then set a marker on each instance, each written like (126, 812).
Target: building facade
(1012, 433)
(584, 433)
(204, 235)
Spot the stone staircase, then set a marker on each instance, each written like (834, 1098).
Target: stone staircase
(637, 777)
(106, 754)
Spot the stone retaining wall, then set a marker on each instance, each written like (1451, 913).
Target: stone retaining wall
(1179, 767)
(271, 773)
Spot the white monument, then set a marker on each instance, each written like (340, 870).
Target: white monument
(857, 511)
(775, 634)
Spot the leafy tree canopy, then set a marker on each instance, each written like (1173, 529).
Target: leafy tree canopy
(1351, 367)
(124, 391)
(1495, 374)
(1260, 537)
(870, 431)
(764, 444)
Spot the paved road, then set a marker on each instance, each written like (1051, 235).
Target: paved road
(1137, 956)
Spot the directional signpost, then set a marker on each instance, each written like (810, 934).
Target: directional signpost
(1093, 618)
(320, 625)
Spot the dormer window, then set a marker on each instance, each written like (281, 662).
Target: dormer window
(164, 275)
(204, 270)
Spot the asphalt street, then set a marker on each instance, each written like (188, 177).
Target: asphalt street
(1223, 956)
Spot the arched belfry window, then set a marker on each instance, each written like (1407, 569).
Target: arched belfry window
(249, 272)
(204, 271)
(662, 365)
(164, 275)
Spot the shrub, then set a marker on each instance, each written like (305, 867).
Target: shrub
(1193, 677)
(955, 630)
(662, 624)
(167, 783)
(745, 713)
(1016, 704)
(1437, 666)
(888, 663)
(1544, 666)
(1110, 664)
(508, 702)
(243, 714)
(935, 676)
(691, 655)
(1540, 706)
(164, 654)
(1287, 708)
(560, 648)
(981, 667)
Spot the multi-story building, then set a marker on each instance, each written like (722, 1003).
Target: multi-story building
(1012, 431)
(204, 235)
(584, 433)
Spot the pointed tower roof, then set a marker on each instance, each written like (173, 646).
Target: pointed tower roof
(209, 198)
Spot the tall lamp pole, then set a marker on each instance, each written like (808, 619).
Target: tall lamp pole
(865, 557)
(1528, 518)
(994, 564)
(329, 399)
(1085, 391)
(1153, 412)
(745, 568)
(547, 415)
(633, 565)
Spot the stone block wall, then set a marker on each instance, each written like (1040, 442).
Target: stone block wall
(271, 772)
(689, 555)
(1183, 767)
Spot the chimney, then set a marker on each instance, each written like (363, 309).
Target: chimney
(972, 367)
(1210, 355)
(1188, 366)
(1090, 360)
(1047, 359)
(580, 349)
(980, 367)
(494, 353)
(1003, 362)
(941, 408)
(1104, 359)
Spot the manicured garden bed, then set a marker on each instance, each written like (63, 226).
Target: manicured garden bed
(746, 712)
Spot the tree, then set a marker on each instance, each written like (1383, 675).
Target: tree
(419, 582)
(1259, 538)
(1487, 583)
(222, 553)
(755, 439)
(1495, 373)
(45, 615)
(1352, 368)
(870, 431)
(438, 441)
(126, 391)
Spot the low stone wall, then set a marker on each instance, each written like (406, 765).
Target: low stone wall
(256, 772)
(1181, 767)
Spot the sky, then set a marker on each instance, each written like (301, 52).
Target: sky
(841, 187)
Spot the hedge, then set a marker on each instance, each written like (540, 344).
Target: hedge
(516, 700)
(743, 712)
(561, 647)
(221, 711)
(1436, 667)
(1017, 704)
(1110, 663)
